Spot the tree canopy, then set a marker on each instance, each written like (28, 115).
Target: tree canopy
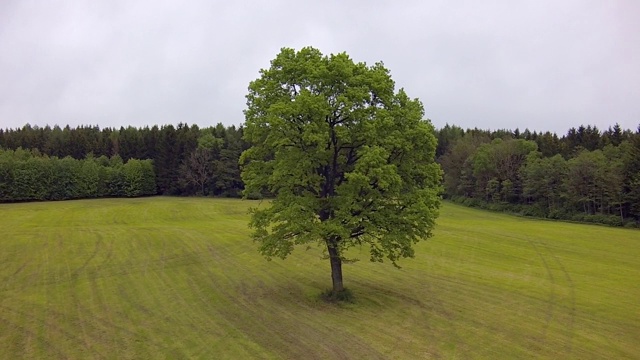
(348, 160)
(586, 175)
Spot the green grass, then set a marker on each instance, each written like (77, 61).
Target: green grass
(179, 278)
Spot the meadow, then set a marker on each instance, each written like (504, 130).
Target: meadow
(179, 278)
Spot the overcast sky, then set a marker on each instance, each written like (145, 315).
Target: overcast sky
(542, 65)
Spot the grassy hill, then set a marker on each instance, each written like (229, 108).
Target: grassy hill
(178, 278)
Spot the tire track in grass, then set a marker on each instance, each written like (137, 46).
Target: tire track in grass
(231, 331)
(343, 343)
(105, 325)
(176, 297)
(55, 322)
(18, 328)
(86, 341)
(241, 312)
(87, 335)
(258, 312)
(206, 302)
(572, 299)
(108, 256)
(97, 326)
(9, 278)
(477, 304)
(255, 311)
(502, 336)
(168, 265)
(106, 309)
(96, 249)
(131, 267)
(260, 305)
(97, 329)
(551, 261)
(205, 259)
(394, 297)
(474, 299)
(439, 309)
(273, 330)
(551, 300)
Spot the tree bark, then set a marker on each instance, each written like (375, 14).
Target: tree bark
(336, 267)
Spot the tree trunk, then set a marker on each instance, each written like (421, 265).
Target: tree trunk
(336, 268)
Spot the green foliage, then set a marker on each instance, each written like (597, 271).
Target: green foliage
(26, 181)
(116, 181)
(208, 141)
(544, 180)
(133, 176)
(492, 190)
(168, 147)
(349, 160)
(631, 173)
(541, 182)
(457, 163)
(501, 161)
(585, 176)
(6, 176)
(89, 178)
(30, 176)
(254, 196)
(448, 135)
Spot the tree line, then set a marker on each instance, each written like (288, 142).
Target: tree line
(586, 175)
(28, 175)
(185, 160)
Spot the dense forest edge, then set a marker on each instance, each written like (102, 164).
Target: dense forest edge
(586, 175)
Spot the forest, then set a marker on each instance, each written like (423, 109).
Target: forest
(183, 161)
(585, 175)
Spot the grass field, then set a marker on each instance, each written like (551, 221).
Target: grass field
(178, 278)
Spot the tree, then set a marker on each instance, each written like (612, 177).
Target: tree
(457, 164)
(543, 179)
(586, 176)
(632, 174)
(138, 178)
(227, 178)
(614, 179)
(446, 137)
(348, 160)
(501, 160)
(166, 163)
(197, 169)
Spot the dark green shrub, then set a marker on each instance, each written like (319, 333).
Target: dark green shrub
(254, 196)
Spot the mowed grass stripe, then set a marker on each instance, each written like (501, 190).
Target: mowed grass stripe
(180, 278)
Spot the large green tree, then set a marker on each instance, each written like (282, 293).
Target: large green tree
(349, 160)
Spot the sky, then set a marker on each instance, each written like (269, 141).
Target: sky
(542, 65)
